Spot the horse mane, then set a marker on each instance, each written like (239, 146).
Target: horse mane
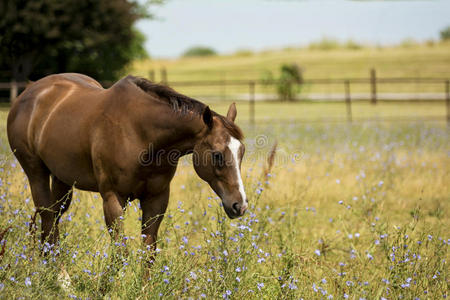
(178, 102)
(181, 103)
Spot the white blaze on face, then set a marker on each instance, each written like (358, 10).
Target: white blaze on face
(234, 146)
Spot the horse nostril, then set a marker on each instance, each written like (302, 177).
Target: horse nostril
(236, 207)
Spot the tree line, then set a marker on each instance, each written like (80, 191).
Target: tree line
(94, 37)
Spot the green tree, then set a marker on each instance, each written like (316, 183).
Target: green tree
(94, 37)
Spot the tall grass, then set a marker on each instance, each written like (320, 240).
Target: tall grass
(346, 212)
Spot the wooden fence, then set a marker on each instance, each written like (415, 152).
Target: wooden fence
(372, 81)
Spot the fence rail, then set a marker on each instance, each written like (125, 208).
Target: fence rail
(347, 97)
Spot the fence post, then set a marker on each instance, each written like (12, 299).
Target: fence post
(163, 75)
(447, 99)
(348, 101)
(251, 86)
(373, 85)
(223, 86)
(13, 91)
(151, 75)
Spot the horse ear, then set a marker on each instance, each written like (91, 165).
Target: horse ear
(232, 112)
(207, 117)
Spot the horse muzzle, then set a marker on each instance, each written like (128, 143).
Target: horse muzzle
(236, 210)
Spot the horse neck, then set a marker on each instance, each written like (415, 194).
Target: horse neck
(184, 134)
(192, 132)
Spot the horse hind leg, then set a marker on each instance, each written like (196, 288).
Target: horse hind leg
(39, 178)
(49, 203)
(59, 202)
(61, 197)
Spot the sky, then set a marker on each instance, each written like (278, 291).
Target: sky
(231, 25)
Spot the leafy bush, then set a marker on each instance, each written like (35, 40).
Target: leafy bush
(324, 44)
(331, 44)
(445, 34)
(199, 51)
(289, 82)
(243, 52)
(353, 45)
(408, 43)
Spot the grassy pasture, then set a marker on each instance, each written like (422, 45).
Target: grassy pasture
(348, 211)
(423, 60)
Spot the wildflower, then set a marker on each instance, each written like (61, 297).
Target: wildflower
(27, 281)
(292, 286)
(238, 269)
(193, 275)
(238, 279)
(317, 252)
(260, 285)
(369, 256)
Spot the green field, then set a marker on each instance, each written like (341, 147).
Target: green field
(418, 61)
(348, 210)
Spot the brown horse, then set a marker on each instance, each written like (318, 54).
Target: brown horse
(124, 142)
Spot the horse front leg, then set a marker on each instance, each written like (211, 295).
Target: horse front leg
(113, 208)
(153, 209)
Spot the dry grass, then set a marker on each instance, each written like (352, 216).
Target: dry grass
(346, 210)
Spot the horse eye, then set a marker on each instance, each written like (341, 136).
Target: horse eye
(217, 159)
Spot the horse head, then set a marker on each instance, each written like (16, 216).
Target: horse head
(217, 160)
